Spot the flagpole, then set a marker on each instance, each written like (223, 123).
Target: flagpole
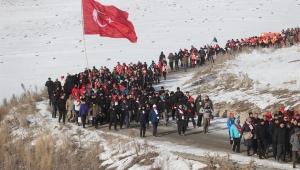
(82, 23)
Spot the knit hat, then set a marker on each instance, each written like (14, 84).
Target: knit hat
(154, 105)
(231, 114)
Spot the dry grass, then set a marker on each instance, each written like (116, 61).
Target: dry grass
(144, 159)
(218, 162)
(44, 154)
(25, 103)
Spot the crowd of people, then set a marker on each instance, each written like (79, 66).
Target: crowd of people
(125, 95)
(280, 131)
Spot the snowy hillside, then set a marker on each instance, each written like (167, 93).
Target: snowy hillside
(41, 39)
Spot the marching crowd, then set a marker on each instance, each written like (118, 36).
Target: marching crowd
(125, 95)
(281, 132)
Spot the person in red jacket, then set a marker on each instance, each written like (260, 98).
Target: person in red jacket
(119, 68)
(75, 91)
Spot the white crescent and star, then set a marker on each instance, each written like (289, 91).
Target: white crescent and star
(95, 16)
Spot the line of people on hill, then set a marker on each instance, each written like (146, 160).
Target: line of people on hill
(281, 132)
(287, 37)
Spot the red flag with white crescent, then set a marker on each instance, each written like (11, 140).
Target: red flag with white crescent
(107, 21)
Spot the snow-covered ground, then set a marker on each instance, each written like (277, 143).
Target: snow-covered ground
(271, 71)
(41, 39)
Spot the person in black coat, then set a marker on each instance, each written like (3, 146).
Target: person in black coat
(280, 137)
(178, 96)
(181, 120)
(53, 100)
(50, 87)
(191, 110)
(113, 116)
(57, 85)
(162, 56)
(61, 104)
(143, 118)
(248, 127)
(274, 125)
(261, 137)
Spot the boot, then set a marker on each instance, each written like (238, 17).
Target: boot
(248, 153)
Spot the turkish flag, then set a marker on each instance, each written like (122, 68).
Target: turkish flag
(108, 21)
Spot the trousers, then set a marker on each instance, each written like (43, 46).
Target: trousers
(155, 124)
(206, 123)
(236, 144)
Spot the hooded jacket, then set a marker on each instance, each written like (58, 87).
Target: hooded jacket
(230, 122)
(234, 132)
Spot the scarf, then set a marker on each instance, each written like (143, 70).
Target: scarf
(249, 125)
(181, 112)
(239, 128)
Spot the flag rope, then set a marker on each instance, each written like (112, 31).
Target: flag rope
(87, 61)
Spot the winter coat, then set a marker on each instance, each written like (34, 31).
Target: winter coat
(198, 103)
(69, 104)
(113, 112)
(171, 58)
(261, 132)
(209, 103)
(143, 116)
(61, 104)
(154, 116)
(295, 142)
(179, 116)
(161, 57)
(230, 122)
(234, 132)
(178, 96)
(76, 105)
(50, 86)
(280, 136)
(273, 128)
(207, 113)
(124, 108)
(247, 142)
(165, 68)
(185, 60)
(54, 100)
(190, 108)
(96, 110)
(176, 57)
(57, 84)
(84, 109)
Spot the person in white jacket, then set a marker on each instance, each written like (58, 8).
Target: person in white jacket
(77, 108)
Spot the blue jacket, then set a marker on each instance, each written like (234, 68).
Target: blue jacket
(230, 122)
(153, 117)
(84, 109)
(125, 111)
(234, 132)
